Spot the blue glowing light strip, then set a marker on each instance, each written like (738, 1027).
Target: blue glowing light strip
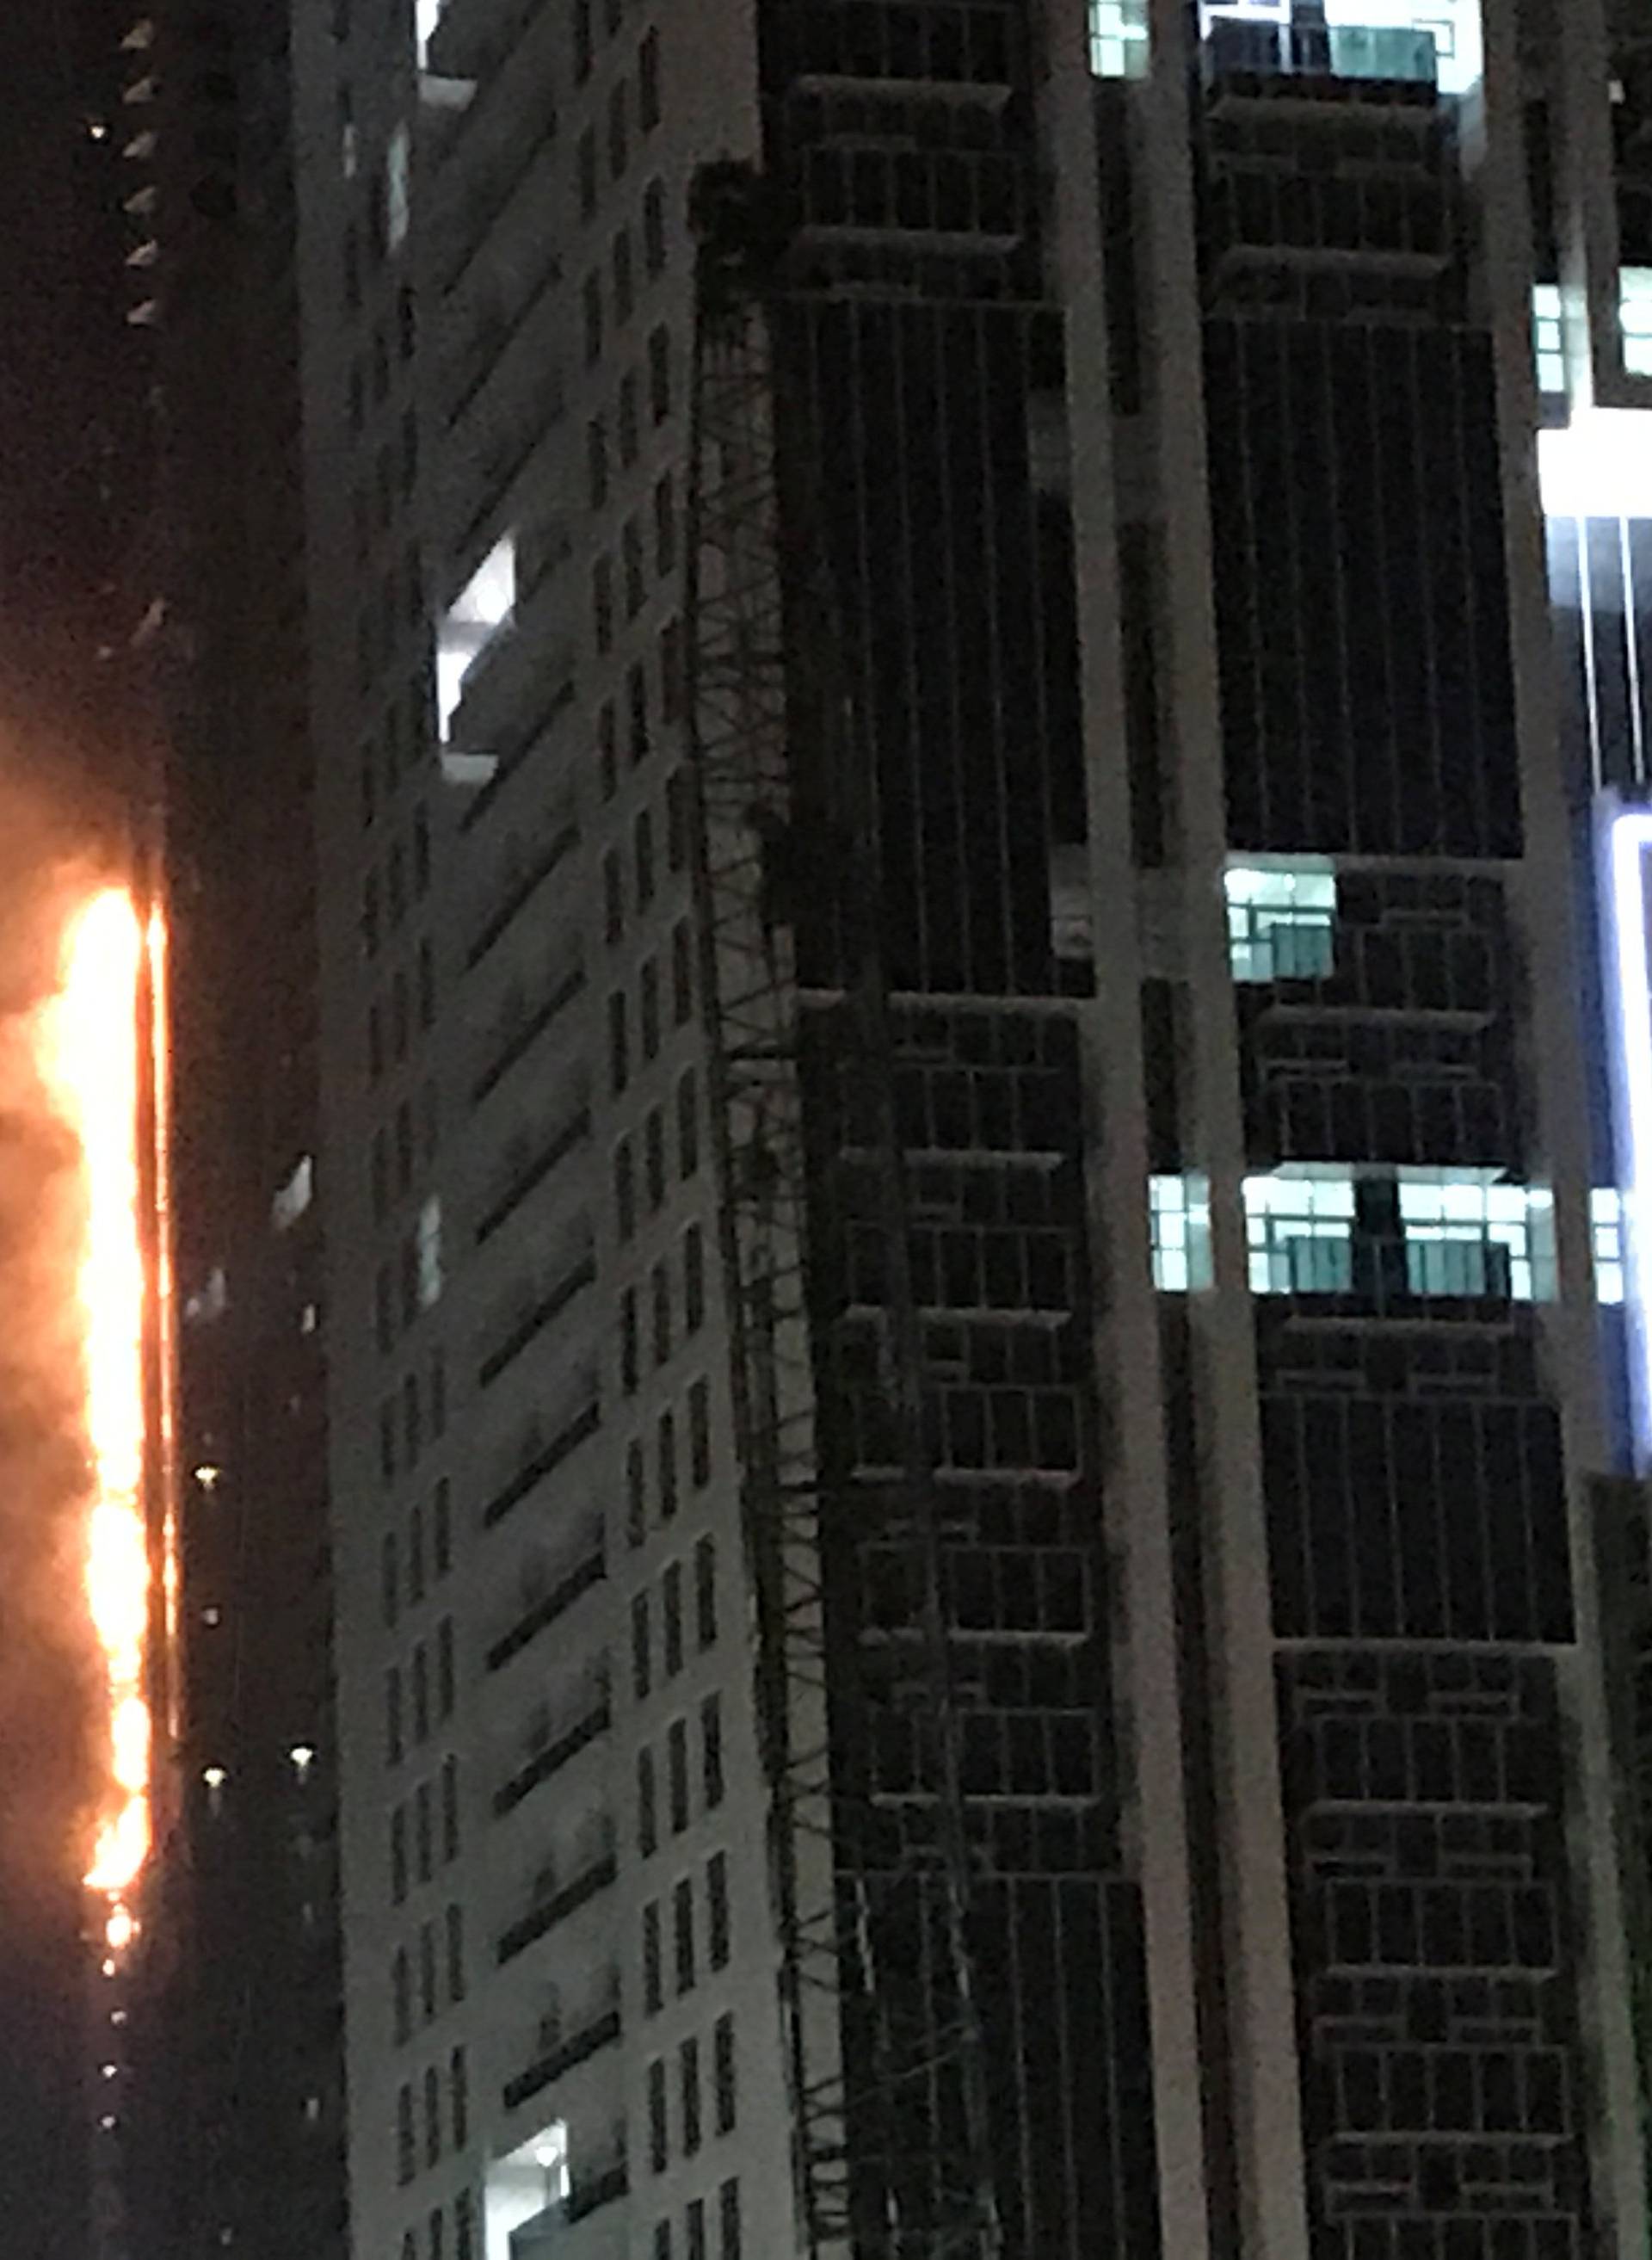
(1629, 837)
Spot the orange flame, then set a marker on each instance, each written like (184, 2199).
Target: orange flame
(90, 1060)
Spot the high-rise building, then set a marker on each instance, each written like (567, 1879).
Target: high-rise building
(978, 1293)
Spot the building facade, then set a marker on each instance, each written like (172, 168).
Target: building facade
(967, 1387)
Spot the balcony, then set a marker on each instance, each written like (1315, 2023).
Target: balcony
(600, 2033)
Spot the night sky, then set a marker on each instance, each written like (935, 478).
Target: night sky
(60, 384)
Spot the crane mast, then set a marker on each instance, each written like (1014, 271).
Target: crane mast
(871, 1895)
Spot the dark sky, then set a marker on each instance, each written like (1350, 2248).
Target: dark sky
(60, 286)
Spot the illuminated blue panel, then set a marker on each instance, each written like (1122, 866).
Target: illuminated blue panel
(1629, 969)
(1281, 920)
(1439, 39)
(1118, 38)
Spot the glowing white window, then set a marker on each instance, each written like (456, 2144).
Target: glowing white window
(1431, 39)
(471, 622)
(1281, 920)
(1606, 1232)
(1635, 319)
(1118, 38)
(530, 2182)
(295, 1197)
(1179, 1211)
(1465, 1235)
(1547, 345)
(397, 187)
(426, 15)
(1299, 1232)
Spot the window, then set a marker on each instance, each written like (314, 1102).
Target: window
(671, 1606)
(402, 1996)
(446, 1671)
(661, 2240)
(688, 2082)
(665, 526)
(654, 1159)
(441, 1504)
(642, 851)
(406, 2142)
(421, 1694)
(705, 1593)
(653, 1988)
(607, 740)
(683, 1934)
(677, 1758)
(427, 1971)
(597, 461)
(619, 1044)
(636, 708)
(398, 1854)
(647, 1823)
(688, 1125)
(630, 1356)
(455, 1954)
(654, 227)
(450, 1809)
(424, 1833)
(1300, 1235)
(1118, 38)
(635, 571)
(628, 419)
(477, 615)
(386, 1441)
(693, 1279)
(642, 1650)
(458, 2094)
(678, 809)
(682, 973)
(415, 1556)
(389, 1582)
(649, 81)
(602, 604)
(671, 675)
(1281, 920)
(433, 2116)
(413, 1417)
(624, 282)
(618, 129)
(659, 1297)
(658, 2146)
(591, 315)
(636, 1505)
(438, 2233)
(717, 1923)
(625, 1190)
(1179, 1208)
(723, 2075)
(582, 42)
(464, 2225)
(613, 900)
(667, 1442)
(694, 2225)
(393, 1731)
(728, 2218)
(586, 167)
(700, 1433)
(712, 1751)
(660, 374)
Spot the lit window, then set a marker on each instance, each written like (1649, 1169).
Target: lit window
(1435, 41)
(397, 187)
(427, 15)
(1465, 1235)
(474, 618)
(1299, 1232)
(1605, 1221)
(1180, 1210)
(1118, 38)
(429, 1269)
(1547, 343)
(1281, 920)
(1635, 319)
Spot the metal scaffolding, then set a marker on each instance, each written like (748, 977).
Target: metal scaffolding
(880, 2022)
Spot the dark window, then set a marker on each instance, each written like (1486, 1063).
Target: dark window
(705, 1592)
(665, 526)
(637, 706)
(682, 973)
(653, 1985)
(694, 2222)
(393, 1731)
(421, 1694)
(671, 670)
(654, 1158)
(407, 2140)
(661, 2240)
(627, 419)
(618, 129)
(593, 307)
(618, 1043)
(635, 569)
(450, 1809)
(459, 2089)
(688, 1125)
(671, 1609)
(693, 1279)
(642, 844)
(677, 812)
(607, 741)
(660, 374)
(667, 1441)
(398, 1854)
(602, 604)
(582, 42)
(587, 169)
(677, 1758)
(683, 1934)
(647, 1824)
(700, 1433)
(455, 1954)
(641, 1648)
(717, 1922)
(723, 2074)
(689, 2080)
(446, 1671)
(625, 1190)
(658, 2146)
(649, 81)
(728, 2215)
(401, 1995)
(625, 282)
(654, 227)
(636, 1504)
(630, 1357)
(712, 1751)
(425, 1833)
(597, 461)
(613, 899)
(389, 1583)
(660, 1298)
(441, 1505)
